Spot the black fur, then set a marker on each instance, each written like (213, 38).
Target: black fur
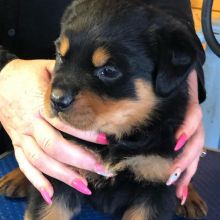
(146, 44)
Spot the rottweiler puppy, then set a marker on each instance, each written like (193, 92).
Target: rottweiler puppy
(122, 69)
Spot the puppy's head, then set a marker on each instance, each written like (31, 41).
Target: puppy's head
(117, 61)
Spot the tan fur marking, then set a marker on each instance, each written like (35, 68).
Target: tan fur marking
(194, 208)
(90, 111)
(64, 46)
(14, 184)
(151, 168)
(56, 211)
(27, 216)
(100, 57)
(139, 213)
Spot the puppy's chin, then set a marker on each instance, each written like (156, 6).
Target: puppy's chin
(81, 119)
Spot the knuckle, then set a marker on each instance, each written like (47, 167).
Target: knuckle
(35, 159)
(16, 147)
(63, 178)
(16, 142)
(47, 144)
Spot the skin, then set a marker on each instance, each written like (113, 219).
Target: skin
(193, 128)
(23, 84)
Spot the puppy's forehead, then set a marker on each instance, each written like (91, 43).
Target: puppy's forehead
(105, 16)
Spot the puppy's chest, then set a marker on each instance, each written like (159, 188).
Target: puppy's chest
(151, 168)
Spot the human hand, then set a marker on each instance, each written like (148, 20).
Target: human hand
(39, 147)
(191, 133)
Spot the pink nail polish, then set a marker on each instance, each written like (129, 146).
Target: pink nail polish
(81, 187)
(46, 196)
(185, 195)
(181, 142)
(101, 139)
(174, 177)
(99, 169)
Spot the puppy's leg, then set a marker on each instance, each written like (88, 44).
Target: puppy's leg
(152, 204)
(194, 208)
(66, 203)
(14, 184)
(138, 213)
(56, 211)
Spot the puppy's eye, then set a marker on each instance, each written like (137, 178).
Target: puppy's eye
(108, 73)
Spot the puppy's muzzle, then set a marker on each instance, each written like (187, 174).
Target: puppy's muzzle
(61, 99)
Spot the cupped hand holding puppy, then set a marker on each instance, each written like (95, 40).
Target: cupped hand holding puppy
(39, 147)
(191, 133)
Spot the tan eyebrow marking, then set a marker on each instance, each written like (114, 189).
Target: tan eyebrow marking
(100, 57)
(64, 45)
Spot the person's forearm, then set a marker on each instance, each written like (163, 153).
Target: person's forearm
(5, 57)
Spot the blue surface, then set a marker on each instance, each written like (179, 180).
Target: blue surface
(211, 107)
(207, 182)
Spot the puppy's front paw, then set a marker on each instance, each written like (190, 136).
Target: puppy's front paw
(14, 184)
(194, 208)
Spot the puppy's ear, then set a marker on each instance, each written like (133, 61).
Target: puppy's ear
(175, 57)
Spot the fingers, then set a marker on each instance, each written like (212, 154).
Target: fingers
(183, 183)
(194, 112)
(54, 145)
(48, 71)
(90, 136)
(47, 164)
(39, 160)
(192, 120)
(34, 175)
(192, 150)
(191, 136)
(188, 162)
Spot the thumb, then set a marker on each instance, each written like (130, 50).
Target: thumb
(50, 66)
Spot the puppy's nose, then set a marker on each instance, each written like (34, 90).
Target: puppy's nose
(61, 99)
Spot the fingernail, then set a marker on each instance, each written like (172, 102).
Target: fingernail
(102, 139)
(185, 195)
(81, 187)
(46, 196)
(180, 143)
(99, 169)
(174, 177)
